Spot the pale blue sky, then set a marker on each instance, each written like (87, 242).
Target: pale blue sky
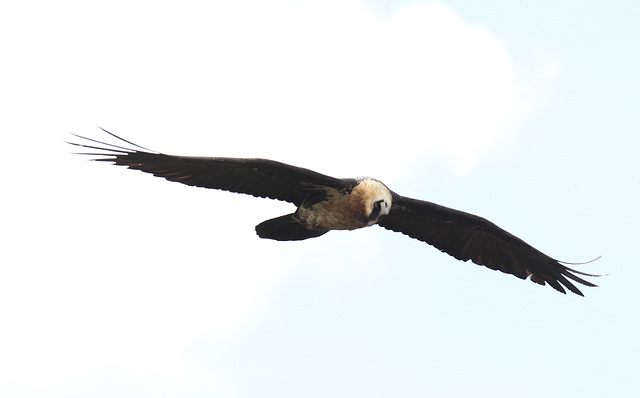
(114, 283)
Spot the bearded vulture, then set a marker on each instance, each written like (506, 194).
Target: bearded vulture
(325, 203)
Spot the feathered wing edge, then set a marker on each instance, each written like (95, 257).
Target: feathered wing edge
(257, 177)
(469, 237)
(110, 152)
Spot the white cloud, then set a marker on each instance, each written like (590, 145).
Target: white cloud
(98, 279)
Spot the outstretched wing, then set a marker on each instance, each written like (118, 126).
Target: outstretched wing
(469, 237)
(257, 177)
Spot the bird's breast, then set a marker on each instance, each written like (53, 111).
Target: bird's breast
(337, 212)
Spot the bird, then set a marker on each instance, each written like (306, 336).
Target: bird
(324, 203)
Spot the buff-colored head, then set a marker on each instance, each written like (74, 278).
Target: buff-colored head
(375, 199)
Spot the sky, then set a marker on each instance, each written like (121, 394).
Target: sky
(115, 283)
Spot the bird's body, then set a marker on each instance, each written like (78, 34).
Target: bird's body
(349, 211)
(326, 203)
(361, 203)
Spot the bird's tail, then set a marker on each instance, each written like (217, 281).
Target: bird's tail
(287, 227)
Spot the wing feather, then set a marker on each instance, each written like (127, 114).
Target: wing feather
(258, 177)
(469, 237)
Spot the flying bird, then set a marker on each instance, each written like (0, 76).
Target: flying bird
(325, 203)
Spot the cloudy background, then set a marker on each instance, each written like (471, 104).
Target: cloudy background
(113, 283)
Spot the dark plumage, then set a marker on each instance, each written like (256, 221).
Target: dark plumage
(325, 203)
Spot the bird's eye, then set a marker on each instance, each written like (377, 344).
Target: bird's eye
(376, 205)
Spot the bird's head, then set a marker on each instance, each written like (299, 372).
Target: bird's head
(378, 208)
(377, 200)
